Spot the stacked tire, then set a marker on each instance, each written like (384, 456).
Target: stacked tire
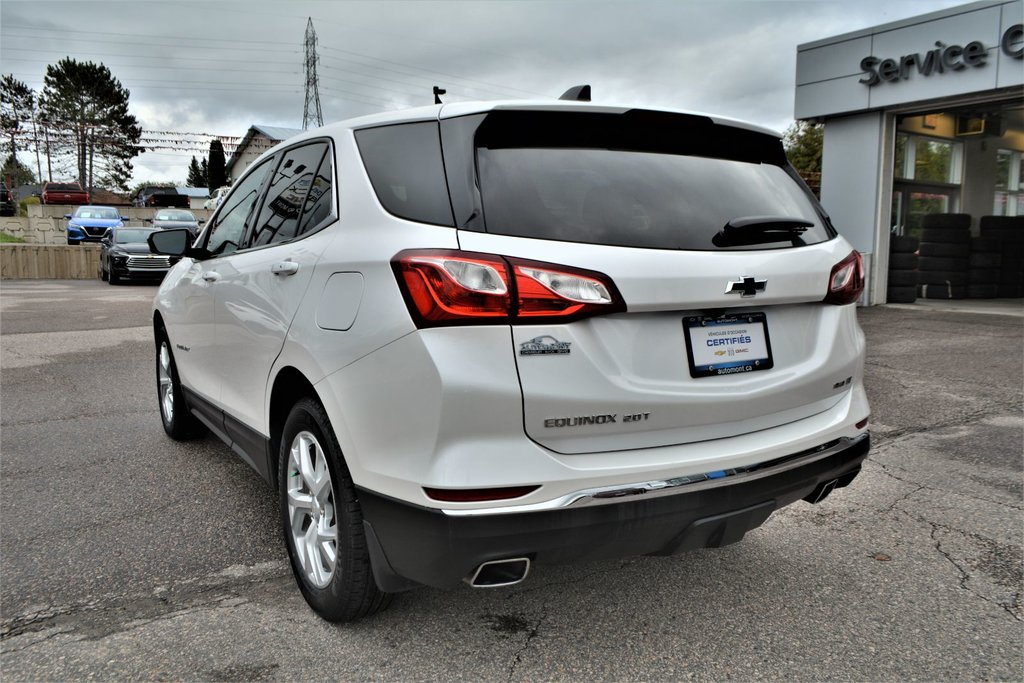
(902, 270)
(1008, 233)
(983, 269)
(944, 256)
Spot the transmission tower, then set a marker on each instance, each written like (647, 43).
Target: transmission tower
(311, 112)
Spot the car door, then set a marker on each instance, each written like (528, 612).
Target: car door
(195, 340)
(260, 286)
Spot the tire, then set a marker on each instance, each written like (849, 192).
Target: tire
(901, 295)
(984, 260)
(902, 244)
(982, 291)
(179, 423)
(73, 243)
(941, 277)
(944, 250)
(103, 274)
(902, 278)
(113, 278)
(959, 221)
(942, 291)
(1002, 222)
(982, 277)
(1010, 291)
(946, 235)
(900, 261)
(346, 591)
(986, 245)
(933, 263)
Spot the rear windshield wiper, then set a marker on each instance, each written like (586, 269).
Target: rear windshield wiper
(761, 230)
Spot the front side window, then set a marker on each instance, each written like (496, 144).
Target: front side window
(227, 232)
(286, 197)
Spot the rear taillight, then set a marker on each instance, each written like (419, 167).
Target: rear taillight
(447, 287)
(846, 281)
(478, 495)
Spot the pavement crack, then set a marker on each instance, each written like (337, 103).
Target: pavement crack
(887, 471)
(964, 574)
(530, 635)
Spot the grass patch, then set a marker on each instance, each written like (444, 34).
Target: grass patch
(10, 239)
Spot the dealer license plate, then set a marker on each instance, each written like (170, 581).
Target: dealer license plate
(727, 345)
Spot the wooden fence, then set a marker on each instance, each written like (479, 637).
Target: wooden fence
(45, 262)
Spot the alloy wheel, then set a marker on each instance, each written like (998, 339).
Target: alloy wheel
(166, 385)
(311, 510)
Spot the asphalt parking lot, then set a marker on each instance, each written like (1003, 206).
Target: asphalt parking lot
(124, 555)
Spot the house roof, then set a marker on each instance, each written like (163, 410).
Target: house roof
(275, 133)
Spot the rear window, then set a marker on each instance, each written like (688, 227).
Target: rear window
(639, 179)
(64, 187)
(405, 167)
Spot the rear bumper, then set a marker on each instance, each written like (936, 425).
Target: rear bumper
(414, 545)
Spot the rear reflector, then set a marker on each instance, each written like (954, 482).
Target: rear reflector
(448, 287)
(862, 424)
(846, 281)
(478, 495)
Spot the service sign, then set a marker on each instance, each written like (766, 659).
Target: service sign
(727, 345)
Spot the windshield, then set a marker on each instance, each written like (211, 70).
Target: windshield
(131, 235)
(174, 216)
(641, 179)
(101, 213)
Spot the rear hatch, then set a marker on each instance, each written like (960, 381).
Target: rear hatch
(720, 255)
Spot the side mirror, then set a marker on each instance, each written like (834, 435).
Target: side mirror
(170, 242)
(67, 216)
(105, 241)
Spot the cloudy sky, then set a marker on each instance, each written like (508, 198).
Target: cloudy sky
(216, 67)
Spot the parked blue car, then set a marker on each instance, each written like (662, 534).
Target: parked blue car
(90, 223)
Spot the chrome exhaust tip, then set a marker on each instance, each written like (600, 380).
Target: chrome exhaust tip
(499, 573)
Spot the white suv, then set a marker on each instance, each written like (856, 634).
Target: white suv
(463, 339)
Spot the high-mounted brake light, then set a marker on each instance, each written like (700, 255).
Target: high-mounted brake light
(846, 281)
(447, 287)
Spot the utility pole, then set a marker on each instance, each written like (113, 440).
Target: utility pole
(311, 112)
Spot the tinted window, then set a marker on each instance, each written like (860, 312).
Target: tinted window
(405, 167)
(289, 187)
(319, 201)
(64, 187)
(640, 179)
(226, 234)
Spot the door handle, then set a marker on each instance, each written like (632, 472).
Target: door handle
(211, 276)
(285, 268)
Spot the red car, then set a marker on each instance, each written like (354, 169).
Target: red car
(64, 193)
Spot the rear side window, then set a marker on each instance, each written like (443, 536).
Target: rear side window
(289, 187)
(405, 167)
(639, 179)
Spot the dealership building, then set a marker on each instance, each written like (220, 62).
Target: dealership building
(921, 116)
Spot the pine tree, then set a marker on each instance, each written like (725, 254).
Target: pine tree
(87, 109)
(204, 172)
(216, 173)
(15, 108)
(195, 175)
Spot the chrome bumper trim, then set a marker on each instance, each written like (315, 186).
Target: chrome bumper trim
(621, 493)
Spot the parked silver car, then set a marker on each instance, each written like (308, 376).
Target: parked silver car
(464, 339)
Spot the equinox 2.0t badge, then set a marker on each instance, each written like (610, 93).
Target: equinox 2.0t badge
(545, 345)
(746, 286)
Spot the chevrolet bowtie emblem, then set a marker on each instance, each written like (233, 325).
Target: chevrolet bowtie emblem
(747, 286)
